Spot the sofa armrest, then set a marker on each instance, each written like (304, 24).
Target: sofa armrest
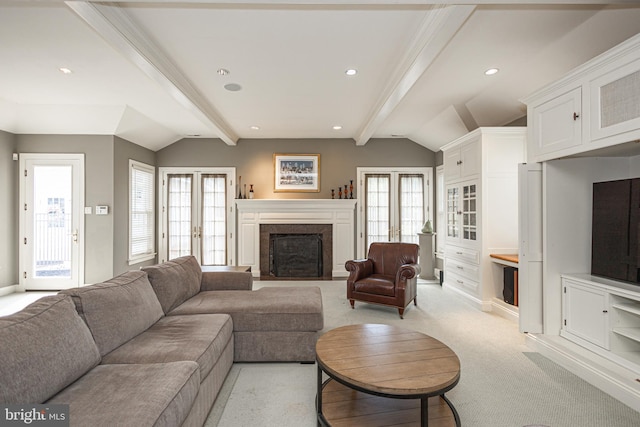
(226, 281)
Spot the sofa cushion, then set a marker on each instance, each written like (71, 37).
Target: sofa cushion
(118, 309)
(199, 338)
(266, 309)
(175, 281)
(45, 347)
(157, 394)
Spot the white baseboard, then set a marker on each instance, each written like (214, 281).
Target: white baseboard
(7, 290)
(505, 310)
(479, 304)
(609, 377)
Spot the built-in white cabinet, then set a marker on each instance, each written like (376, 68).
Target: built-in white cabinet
(463, 162)
(595, 106)
(585, 312)
(557, 124)
(604, 316)
(615, 101)
(481, 208)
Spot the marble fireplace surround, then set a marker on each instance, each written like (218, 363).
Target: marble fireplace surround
(340, 213)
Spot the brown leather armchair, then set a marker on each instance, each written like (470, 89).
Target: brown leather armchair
(388, 276)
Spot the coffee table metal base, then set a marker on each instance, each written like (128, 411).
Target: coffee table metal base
(340, 405)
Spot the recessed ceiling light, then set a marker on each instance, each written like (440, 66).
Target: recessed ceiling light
(64, 70)
(491, 71)
(254, 127)
(223, 71)
(337, 127)
(233, 87)
(351, 72)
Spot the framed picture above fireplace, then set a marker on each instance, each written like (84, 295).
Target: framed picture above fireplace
(296, 173)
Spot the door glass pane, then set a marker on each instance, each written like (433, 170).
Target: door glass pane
(377, 204)
(411, 207)
(214, 210)
(469, 212)
(52, 232)
(179, 215)
(453, 228)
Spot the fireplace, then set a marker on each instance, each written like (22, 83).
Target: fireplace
(295, 251)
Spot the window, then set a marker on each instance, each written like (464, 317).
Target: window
(141, 212)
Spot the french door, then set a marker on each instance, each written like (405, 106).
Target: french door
(51, 221)
(197, 214)
(393, 205)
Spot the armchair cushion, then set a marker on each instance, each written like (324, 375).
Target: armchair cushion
(377, 284)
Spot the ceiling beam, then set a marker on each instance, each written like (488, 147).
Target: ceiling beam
(440, 25)
(115, 26)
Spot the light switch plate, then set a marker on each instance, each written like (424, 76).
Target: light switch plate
(87, 210)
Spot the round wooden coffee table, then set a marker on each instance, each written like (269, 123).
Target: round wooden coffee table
(379, 372)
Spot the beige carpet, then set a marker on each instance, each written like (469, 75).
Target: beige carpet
(503, 384)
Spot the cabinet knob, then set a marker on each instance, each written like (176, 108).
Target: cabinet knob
(576, 116)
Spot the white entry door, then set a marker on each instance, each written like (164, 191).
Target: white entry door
(51, 221)
(197, 214)
(393, 205)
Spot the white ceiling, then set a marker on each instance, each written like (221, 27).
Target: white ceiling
(146, 70)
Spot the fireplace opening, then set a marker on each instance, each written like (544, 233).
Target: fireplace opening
(295, 255)
(296, 251)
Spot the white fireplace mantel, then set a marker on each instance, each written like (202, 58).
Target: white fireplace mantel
(340, 213)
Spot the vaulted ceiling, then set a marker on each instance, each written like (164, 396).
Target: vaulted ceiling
(152, 71)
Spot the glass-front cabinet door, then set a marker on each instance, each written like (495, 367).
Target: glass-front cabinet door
(462, 213)
(469, 212)
(453, 212)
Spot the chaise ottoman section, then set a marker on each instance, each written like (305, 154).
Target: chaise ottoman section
(159, 394)
(270, 324)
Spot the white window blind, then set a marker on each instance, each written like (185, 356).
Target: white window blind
(141, 212)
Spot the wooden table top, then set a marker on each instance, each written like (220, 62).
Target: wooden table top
(389, 360)
(506, 257)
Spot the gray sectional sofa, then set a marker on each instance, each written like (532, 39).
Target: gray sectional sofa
(151, 347)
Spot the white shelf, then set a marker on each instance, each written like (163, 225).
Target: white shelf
(628, 307)
(631, 333)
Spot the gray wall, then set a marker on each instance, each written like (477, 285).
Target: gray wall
(123, 151)
(8, 211)
(106, 181)
(253, 159)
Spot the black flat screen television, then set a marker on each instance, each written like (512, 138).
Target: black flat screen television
(615, 240)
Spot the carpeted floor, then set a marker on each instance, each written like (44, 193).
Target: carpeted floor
(503, 383)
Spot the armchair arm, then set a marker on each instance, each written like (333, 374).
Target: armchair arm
(358, 269)
(226, 281)
(406, 272)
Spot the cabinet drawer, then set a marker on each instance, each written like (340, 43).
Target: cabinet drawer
(460, 282)
(469, 271)
(462, 254)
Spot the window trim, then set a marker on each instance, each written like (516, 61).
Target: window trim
(141, 257)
